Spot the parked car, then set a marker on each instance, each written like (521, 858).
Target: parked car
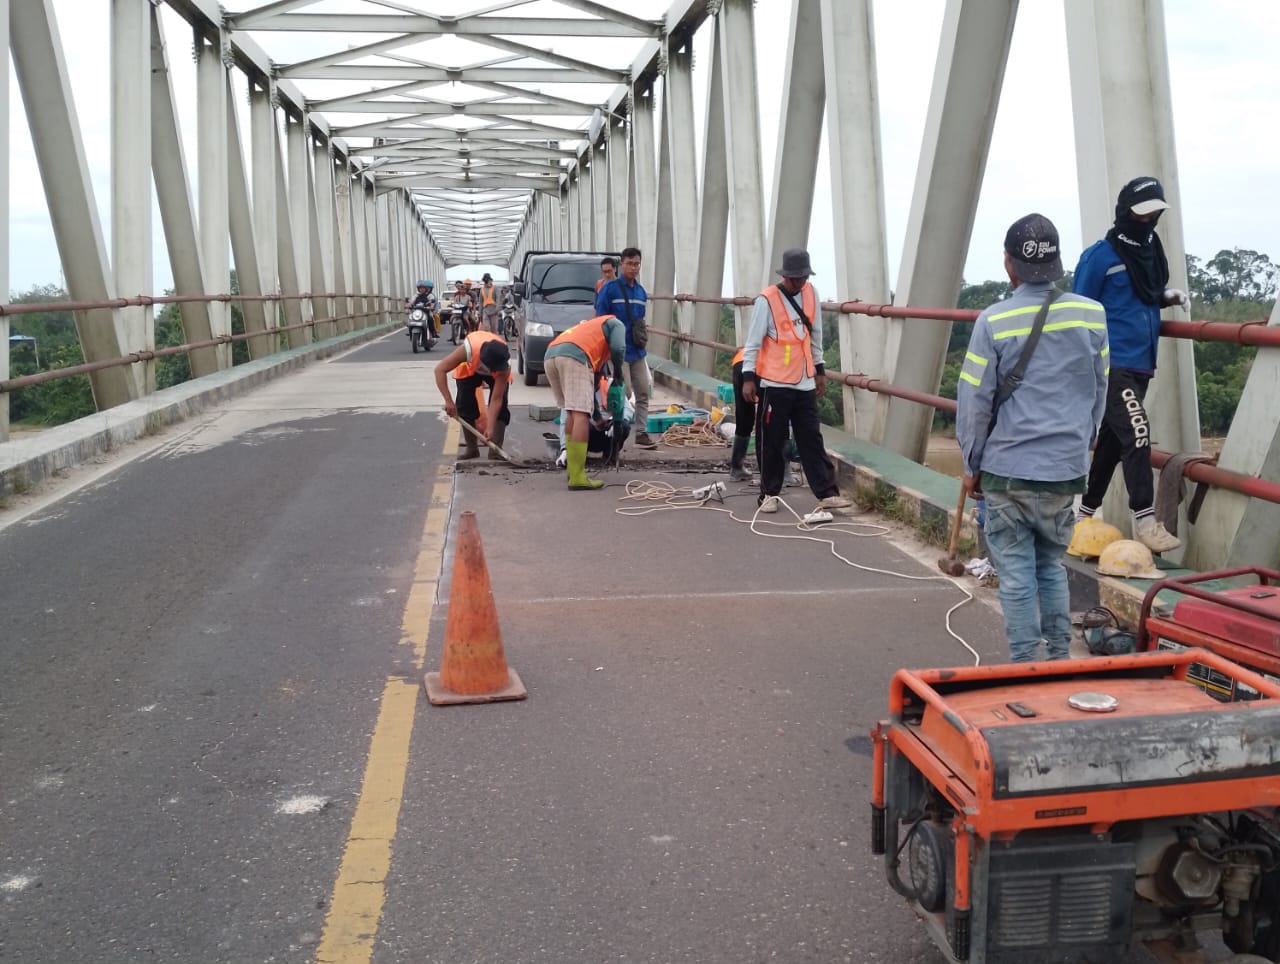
(556, 290)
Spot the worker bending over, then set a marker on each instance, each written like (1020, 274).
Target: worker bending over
(573, 361)
(482, 360)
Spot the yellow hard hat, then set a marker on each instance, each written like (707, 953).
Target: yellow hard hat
(1090, 537)
(1128, 558)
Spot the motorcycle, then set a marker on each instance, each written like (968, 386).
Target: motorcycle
(421, 337)
(459, 323)
(507, 322)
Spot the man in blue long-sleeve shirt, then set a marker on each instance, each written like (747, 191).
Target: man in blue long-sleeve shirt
(1128, 272)
(624, 298)
(1030, 457)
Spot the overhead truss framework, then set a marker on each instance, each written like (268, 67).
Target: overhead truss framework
(461, 110)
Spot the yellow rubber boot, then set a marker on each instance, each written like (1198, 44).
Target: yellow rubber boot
(576, 453)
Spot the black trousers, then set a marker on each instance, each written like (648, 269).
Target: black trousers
(744, 411)
(469, 408)
(1124, 438)
(783, 412)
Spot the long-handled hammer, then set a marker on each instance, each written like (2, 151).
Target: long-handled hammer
(480, 439)
(951, 565)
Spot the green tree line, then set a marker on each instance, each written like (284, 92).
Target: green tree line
(1233, 286)
(57, 345)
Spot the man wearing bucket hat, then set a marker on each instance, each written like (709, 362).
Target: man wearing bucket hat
(1128, 272)
(1026, 413)
(782, 369)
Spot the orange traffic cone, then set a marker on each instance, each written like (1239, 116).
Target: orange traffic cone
(473, 668)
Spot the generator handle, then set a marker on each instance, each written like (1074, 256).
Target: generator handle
(1186, 586)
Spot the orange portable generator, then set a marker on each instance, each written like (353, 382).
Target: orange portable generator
(1070, 811)
(1241, 623)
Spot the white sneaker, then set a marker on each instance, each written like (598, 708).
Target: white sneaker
(1152, 534)
(770, 504)
(835, 502)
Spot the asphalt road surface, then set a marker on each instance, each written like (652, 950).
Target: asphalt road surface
(213, 746)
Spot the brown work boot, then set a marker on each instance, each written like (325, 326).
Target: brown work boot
(499, 436)
(644, 441)
(470, 448)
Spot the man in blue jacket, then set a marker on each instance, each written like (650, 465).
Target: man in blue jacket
(1029, 453)
(1128, 272)
(624, 298)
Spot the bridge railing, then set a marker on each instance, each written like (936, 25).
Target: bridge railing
(1203, 472)
(39, 307)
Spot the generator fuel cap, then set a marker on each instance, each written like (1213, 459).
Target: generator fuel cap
(1093, 702)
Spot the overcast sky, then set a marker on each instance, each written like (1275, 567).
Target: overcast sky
(1226, 95)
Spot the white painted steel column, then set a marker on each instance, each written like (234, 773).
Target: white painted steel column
(737, 37)
(295, 311)
(586, 199)
(322, 273)
(244, 246)
(1119, 48)
(215, 220)
(131, 175)
(600, 165)
(263, 140)
(4, 212)
(382, 204)
(683, 171)
(973, 50)
(795, 169)
(566, 216)
(299, 166)
(177, 214)
(343, 275)
(642, 191)
(857, 190)
(1234, 530)
(618, 181)
(360, 246)
(713, 221)
(663, 258)
(375, 278)
(41, 69)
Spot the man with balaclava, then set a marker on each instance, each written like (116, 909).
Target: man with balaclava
(1128, 272)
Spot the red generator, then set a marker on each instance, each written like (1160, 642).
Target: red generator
(1240, 623)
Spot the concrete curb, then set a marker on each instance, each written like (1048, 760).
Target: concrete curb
(28, 461)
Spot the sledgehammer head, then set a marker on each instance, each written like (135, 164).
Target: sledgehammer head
(951, 566)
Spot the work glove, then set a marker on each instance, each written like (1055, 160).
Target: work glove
(1175, 296)
(616, 402)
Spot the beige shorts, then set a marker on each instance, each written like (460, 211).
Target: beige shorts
(571, 383)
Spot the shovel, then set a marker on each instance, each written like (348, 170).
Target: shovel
(951, 565)
(480, 439)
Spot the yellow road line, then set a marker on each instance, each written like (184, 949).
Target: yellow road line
(355, 908)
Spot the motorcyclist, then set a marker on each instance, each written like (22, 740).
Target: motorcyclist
(425, 298)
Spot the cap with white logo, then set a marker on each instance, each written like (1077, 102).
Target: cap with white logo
(1032, 243)
(1142, 195)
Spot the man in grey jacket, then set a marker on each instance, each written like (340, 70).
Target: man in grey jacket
(1028, 451)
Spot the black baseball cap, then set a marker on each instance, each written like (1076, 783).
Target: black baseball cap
(495, 356)
(1032, 243)
(1142, 195)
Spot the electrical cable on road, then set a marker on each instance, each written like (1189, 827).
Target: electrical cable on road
(657, 496)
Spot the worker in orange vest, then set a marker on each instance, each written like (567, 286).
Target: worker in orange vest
(482, 360)
(573, 361)
(782, 369)
(488, 304)
(608, 271)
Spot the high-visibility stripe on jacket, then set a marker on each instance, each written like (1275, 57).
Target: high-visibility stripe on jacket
(1064, 314)
(488, 296)
(787, 359)
(590, 337)
(737, 358)
(473, 342)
